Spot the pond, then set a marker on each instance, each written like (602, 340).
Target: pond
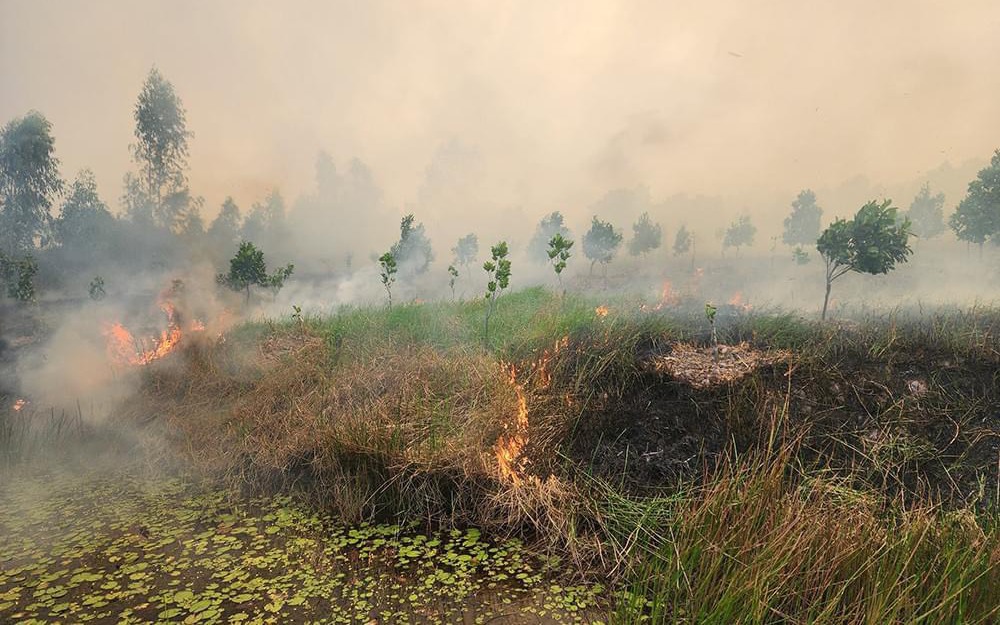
(124, 547)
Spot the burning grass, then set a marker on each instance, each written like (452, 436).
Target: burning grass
(588, 434)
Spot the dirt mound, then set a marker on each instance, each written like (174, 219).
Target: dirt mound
(703, 367)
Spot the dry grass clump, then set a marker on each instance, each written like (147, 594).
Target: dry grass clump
(702, 367)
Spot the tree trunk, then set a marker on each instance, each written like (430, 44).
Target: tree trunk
(826, 299)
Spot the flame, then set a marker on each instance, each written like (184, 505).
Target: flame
(508, 448)
(124, 349)
(19, 403)
(601, 311)
(737, 301)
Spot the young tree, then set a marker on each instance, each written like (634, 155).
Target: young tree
(29, 181)
(926, 213)
(413, 251)
(550, 225)
(466, 251)
(600, 244)
(977, 218)
(646, 236)
(387, 263)
(800, 256)
(453, 275)
(498, 272)
(160, 152)
(802, 225)
(739, 233)
(96, 289)
(559, 253)
(17, 275)
(873, 242)
(247, 268)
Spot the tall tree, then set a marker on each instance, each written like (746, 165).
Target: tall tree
(550, 225)
(601, 243)
(926, 214)
(646, 236)
(225, 228)
(873, 242)
(977, 218)
(802, 225)
(29, 181)
(160, 153)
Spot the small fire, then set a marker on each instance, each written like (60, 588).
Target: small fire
(601, 311)
(19, 403)
(509, 448)
(737, 301)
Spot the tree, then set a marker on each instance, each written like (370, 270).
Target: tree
(802, 225)
(466, 251)
(498, 273)
(977, 217)
(266, 220)
(550, 225)
(873, 242)
(17, 275)
(29, 181)
(225, 228)
(96, 289)
(800, 256)
(160, 152)
(559, 253)
(739, 233)
(388, 274)
(600, 244)
(412, 251)
(683, 242)
(926, 213)
(646, 236)
(84, 224)
(247, 268)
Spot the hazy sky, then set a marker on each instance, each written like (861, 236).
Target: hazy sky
(555, 102)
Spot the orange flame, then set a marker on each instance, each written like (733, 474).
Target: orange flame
(124, 349)
(737, 301)
(19, 403)
(601, 311)
(508, 448)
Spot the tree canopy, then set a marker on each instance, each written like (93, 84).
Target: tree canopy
(601, 242)
(646, 236)
(926, 214)
(412, 251)
(977, 218)
(550, 225)
(739, 233)
(29, 181)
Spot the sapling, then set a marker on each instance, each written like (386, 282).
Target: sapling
(559, 253)
(498, 271)
(388, 274)
(453, 273)
(710, 315)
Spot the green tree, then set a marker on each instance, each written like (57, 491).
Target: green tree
(412, 251)
(977, 218)
(466, 250)
(498, 273)
(387, 263)
(646, 236)
(160, 152)
(452, 276)
(802, 225)
(739, 233)
(800, 256)
(96, 289)
(600, 244)
(550, 225)
(266, 220)
(29, 181)
(18, 276)
(873, 242)
(559, 253)
(926, 213)
(247, 268)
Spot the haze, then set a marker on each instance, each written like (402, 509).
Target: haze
(521, 104)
